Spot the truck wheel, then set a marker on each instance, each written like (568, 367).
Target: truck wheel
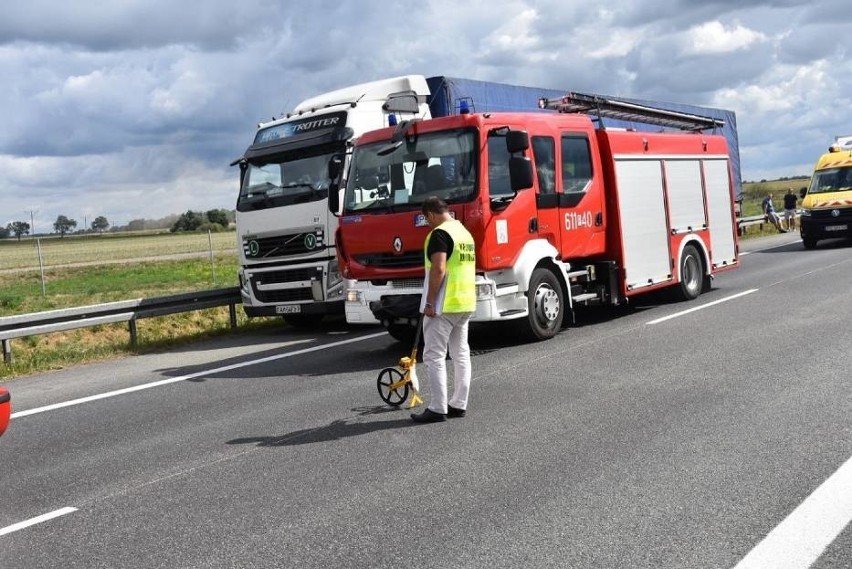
(691, 274)
(545, 304)
(304, 321)
(809, 242)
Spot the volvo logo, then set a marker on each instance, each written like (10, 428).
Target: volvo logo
(310, 241)
(253, 248)
(835, 213)
(397, 244)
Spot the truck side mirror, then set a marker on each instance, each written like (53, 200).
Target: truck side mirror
(520, 173)
(803, 192)
(335, 167)
(517, 141)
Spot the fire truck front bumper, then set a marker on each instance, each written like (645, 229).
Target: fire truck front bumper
(399, 302)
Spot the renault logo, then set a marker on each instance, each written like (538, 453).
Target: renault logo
(835, 213)
(397, 244)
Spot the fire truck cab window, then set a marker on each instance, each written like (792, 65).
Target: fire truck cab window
(545, 163)
(499, 183)
(576, 164)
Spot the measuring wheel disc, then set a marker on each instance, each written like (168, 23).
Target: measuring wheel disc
(387, 377)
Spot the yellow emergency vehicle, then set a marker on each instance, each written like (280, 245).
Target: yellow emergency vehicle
(827, 202)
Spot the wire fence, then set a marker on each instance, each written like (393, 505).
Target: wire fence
(48, 265)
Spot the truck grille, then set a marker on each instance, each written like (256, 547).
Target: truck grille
(284, 276)
(283, 245)
(410, 259)
(824, 215)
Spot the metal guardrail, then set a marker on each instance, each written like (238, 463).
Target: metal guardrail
(744, 222)
(111, 312)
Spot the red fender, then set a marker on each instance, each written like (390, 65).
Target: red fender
(5, 409)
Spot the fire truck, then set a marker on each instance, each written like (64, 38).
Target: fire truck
(563, 210)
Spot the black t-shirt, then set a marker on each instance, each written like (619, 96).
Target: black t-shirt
(440, 242)
(790, 201)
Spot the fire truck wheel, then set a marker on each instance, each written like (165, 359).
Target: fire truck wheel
(691, 273)
(809, 242)
(546, 306)
(388, 377)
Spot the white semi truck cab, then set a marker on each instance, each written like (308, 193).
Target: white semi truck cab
(285, 231)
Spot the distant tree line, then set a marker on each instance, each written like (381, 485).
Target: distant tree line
(211, 220)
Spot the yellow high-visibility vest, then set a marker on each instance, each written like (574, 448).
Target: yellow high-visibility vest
(460, 293)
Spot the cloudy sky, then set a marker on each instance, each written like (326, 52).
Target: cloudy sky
(134, 108)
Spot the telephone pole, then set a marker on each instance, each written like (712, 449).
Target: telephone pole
(32, 220)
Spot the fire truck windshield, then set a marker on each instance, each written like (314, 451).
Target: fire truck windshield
(831, 180)
(297, 179)
(439, 164)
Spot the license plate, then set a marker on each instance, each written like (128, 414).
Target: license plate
(288, 309)
(836, 227)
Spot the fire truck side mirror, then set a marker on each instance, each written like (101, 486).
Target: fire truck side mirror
(520, 173)
(517, 141)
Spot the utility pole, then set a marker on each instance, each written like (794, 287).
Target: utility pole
(32, 220)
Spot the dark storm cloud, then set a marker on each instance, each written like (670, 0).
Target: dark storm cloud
(139, 105)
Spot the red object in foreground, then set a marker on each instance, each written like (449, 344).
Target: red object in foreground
(5, 409)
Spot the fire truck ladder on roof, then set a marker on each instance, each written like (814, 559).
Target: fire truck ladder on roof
(622, 110)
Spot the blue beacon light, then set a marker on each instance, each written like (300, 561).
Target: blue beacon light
(391, 119)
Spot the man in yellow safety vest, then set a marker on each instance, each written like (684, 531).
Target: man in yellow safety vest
(448, 302)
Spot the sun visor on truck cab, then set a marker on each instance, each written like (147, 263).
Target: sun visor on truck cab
(269, 151)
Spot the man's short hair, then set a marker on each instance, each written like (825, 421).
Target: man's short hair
(434, 204)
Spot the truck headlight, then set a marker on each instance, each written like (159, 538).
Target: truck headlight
(806, 213)
(484, 291)
(353, 295)
(334, 277)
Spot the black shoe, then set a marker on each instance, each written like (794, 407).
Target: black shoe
(455, 412)
(428, 416)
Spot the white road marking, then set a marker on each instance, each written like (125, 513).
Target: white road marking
(36, 520)
(802, 537)
(162, 382)
(702, 307)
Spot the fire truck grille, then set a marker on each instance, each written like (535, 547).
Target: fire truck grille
(283, 245)
(408, 260)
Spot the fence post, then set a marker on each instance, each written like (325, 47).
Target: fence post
(131, 325)
(232, 310)
(212, 263)
(41, 267)
(7, 351)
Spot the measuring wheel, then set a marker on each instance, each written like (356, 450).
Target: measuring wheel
(391, 389)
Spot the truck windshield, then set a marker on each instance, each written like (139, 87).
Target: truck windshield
(299, 179)
(831, 180)
(439, 164)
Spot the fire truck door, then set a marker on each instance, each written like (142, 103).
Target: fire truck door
(547, 221)
(580, 199)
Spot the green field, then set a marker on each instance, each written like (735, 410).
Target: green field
(754, 192)
(56, 251)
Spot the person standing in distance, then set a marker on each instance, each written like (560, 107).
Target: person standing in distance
(790, 200)
(448, 302)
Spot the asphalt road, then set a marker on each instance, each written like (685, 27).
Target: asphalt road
(717, 437)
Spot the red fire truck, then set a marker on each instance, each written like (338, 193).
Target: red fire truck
(563, 213)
